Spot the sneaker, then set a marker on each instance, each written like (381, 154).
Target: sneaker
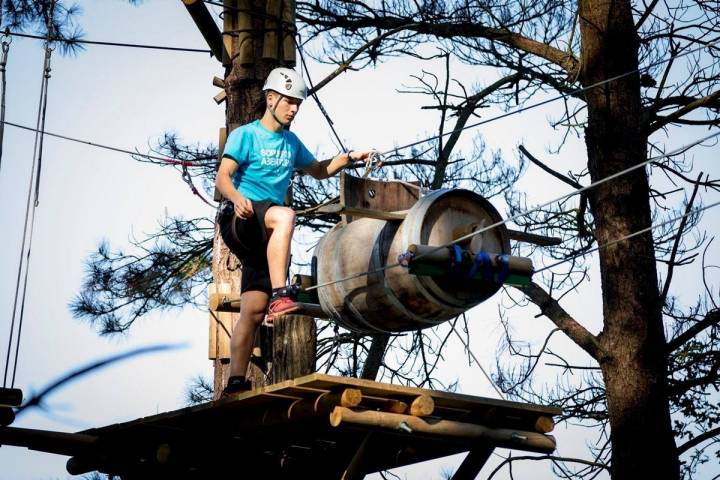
(236, 387)
(280, 305)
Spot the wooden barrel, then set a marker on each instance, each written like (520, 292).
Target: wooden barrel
(393, 300)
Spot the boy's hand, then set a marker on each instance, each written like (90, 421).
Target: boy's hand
(363, 156)
(243, 207)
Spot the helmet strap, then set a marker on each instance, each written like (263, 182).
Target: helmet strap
(274, 115)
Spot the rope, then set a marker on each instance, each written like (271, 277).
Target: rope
(29, 225)
(112, 44)
(6, 41)
(523, 214)
(314, 95)
(168, 161)
(477, 362)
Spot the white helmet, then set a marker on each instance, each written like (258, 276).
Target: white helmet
(286, 81)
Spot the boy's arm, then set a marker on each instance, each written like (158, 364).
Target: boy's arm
(223, 182)
(328, 168)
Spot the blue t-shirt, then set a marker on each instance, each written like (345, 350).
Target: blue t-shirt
(266, 160)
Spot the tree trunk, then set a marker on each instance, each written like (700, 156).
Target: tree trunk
(634, 372)
(294, 347)
(243, 86)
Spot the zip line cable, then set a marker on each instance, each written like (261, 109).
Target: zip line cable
(477, 362)
(6, 41)
(112, 44)
(630, 235)
(550, 100)
(527, 212)
(24, 263)
(169, 161)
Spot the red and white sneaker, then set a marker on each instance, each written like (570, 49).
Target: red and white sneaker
(281, 305)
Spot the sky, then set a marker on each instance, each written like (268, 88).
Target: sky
(128, 98)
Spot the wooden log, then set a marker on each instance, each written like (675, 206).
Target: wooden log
(506, 438)
(544, 424)
(207, 26)
(11, 397)
(392, 405)
(271, 43)
(245, 48)
(7, 416)
(539, 240)
(61, 443)
(81, 465)
(519, 267)
(422, 406)
(325, 403)
(288, 17)
(294, 346)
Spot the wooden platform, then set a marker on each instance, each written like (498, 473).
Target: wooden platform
(317, 426)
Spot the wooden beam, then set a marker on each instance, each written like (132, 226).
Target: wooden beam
(473, 463)
(221, 302)
(422, 406)
(207, 26)
(539, 240)
(544, 424)
(354, 470)
(61, 443)
(11, 397)
(501, 437)
(363, 212)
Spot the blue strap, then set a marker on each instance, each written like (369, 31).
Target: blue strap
(484, 262)
(504, 261)
(456, 259)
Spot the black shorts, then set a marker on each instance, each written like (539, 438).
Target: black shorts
(247, 239)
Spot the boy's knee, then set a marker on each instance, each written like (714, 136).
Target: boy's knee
(282, 217)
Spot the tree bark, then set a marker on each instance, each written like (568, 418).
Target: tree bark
(294, 347)
(634, 370)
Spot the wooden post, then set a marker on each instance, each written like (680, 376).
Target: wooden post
(294, 346)
(473, 462)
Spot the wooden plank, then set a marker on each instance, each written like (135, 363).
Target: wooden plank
(220, 325)
(384, 196)
(397, 215)
(207, 26)
(473, 462)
